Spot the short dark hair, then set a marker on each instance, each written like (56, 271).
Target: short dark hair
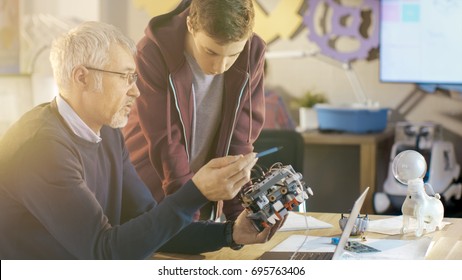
(224, 20)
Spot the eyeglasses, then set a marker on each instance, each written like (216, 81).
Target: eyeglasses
(131, 77)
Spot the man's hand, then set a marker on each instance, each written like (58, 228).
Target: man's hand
(245, 233)
(222, 178)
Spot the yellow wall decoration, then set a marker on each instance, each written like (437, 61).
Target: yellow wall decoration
(282, 22)
(156, 7)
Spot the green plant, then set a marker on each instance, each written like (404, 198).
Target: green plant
(311, 98)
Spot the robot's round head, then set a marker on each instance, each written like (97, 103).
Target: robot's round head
(409, 165)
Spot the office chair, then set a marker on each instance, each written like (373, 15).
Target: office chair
(291, 153)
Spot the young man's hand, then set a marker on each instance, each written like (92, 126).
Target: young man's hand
(222, 178)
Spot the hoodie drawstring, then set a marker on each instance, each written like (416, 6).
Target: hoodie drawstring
(169, 115)
(249, 90)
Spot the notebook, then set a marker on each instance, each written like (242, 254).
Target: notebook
(340, 248)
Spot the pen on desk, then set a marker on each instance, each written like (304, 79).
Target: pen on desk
(269, 151)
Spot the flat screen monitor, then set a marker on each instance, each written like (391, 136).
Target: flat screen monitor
(421, 41)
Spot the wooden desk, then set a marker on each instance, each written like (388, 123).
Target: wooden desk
(367, 154)
(447, 242)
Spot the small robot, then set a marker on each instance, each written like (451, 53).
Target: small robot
(271, 196)
(409, 168)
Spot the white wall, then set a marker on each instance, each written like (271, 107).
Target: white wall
(15, 98)
(82, 9)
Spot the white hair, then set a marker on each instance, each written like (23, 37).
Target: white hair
(87, 44)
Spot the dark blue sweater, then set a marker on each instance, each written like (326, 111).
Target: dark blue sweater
(62, 197)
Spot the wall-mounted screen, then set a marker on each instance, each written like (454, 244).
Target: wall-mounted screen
(421, 41)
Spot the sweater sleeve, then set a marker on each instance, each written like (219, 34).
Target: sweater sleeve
(57, 195)
(198, 237)
(189, 240)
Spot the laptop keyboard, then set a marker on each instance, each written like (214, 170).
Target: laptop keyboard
(297, 256)
(313, 256)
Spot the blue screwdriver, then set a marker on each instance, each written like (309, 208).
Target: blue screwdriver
(269, 151)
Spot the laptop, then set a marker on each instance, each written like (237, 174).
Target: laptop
(339, 250)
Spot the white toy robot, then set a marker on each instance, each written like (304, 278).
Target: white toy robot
(409, 168)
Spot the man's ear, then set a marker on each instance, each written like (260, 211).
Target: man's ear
(80, 76)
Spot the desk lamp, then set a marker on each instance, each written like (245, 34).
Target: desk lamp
(409, 168)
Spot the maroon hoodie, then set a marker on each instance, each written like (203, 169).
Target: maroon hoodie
(158, 134)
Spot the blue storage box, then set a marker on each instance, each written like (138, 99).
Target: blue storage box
(349, 118)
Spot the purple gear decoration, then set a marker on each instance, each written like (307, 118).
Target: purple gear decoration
(353, 30)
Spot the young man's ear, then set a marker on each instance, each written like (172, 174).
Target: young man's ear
(189, 25)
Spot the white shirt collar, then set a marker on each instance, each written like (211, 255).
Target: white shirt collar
(78, 126)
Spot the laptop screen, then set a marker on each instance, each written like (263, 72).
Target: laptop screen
(340, 249)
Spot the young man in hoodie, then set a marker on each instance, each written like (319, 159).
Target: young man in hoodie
(201, 85)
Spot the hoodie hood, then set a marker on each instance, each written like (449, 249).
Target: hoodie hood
(164, 26)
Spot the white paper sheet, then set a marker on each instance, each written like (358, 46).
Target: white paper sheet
(392, 226)
(389, 249)
(297, 221)
(308, 244)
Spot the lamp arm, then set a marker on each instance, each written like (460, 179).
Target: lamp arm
(355, 84)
